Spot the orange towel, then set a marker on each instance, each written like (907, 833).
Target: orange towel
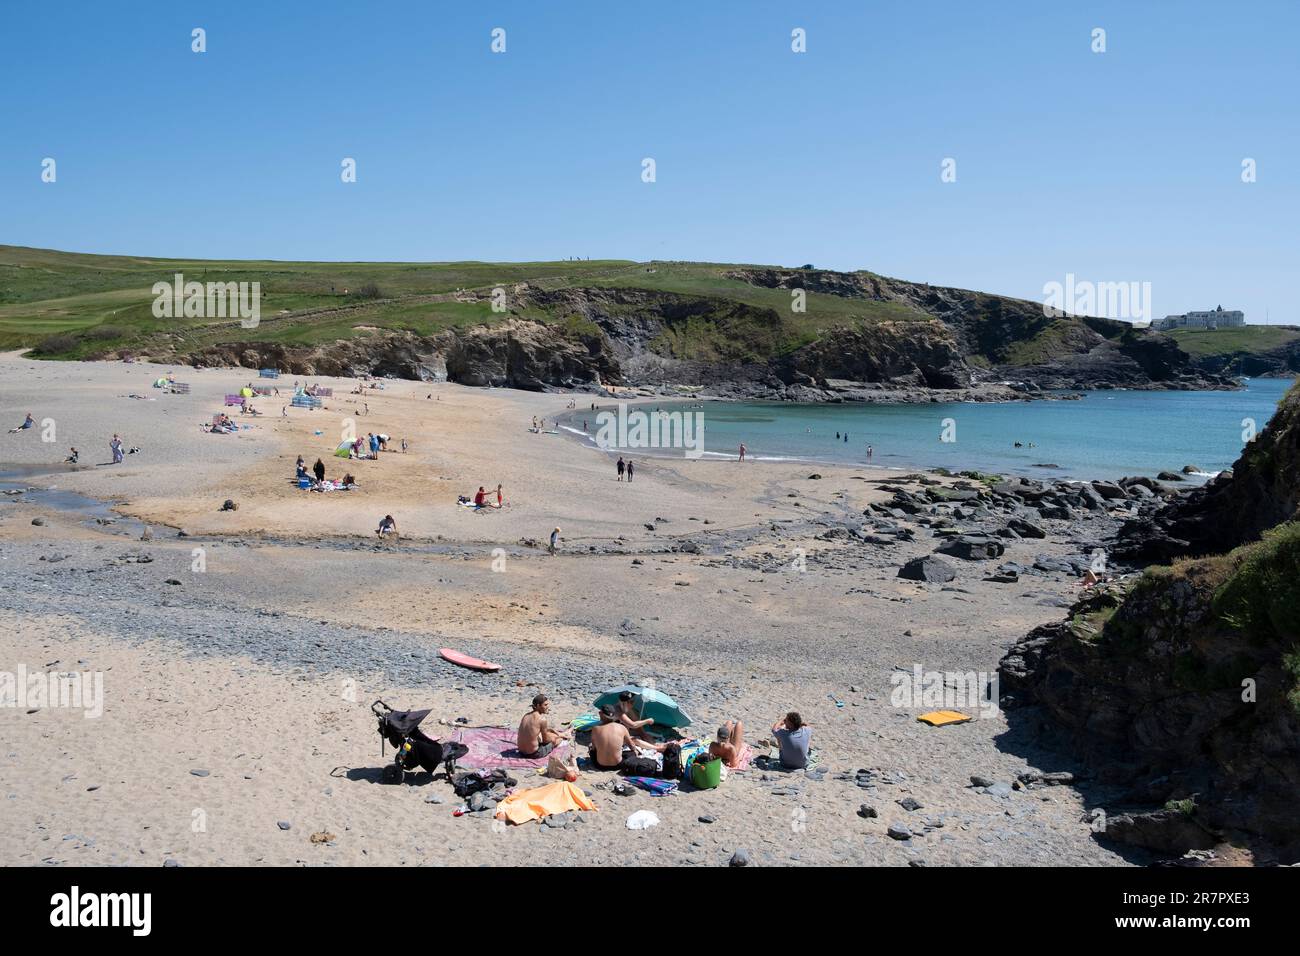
(528, 805)
(940, 718)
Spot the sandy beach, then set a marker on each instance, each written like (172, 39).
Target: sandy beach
(237, 697)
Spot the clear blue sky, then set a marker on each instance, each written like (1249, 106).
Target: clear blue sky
(1118, 166)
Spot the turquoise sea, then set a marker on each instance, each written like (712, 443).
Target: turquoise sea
(1105, 434)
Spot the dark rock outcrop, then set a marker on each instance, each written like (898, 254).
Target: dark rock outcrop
(930, 344)
(1187, 686)
(1261, 490)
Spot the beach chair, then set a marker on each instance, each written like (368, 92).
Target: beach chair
(234, 399)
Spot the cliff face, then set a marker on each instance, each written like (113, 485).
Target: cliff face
(1186, 687)
(1261, 490)
(515, 354)
(942, 339)
(1012, 339)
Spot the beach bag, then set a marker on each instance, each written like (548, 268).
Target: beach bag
(558, 769)
(672, 768)
(706, 773)
(469, 782)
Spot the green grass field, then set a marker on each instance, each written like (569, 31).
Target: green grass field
(72, 305)
(1244, 340)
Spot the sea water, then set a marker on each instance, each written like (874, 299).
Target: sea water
(1104, 434)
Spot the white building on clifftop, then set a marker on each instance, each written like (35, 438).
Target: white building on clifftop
(1215, 319)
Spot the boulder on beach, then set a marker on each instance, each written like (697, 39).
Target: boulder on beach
(972, 547)
(928, 568)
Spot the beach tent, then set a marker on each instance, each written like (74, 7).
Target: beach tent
(344, 450)
(649, 702)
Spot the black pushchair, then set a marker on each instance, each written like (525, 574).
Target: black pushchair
(401, 728)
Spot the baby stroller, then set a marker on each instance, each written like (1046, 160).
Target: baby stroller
(401, 728)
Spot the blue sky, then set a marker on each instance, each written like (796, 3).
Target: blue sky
(1118, 166)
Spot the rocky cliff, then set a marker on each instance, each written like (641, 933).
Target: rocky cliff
(940, 340)
(1181, 692)
(1261, 490)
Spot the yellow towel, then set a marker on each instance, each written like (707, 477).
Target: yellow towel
(938, 718)
(528, 805)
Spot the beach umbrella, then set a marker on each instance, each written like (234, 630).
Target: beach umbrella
(651, 703)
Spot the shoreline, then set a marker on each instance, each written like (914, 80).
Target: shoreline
(567, 423)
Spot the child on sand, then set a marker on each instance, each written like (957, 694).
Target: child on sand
(387, 526)
(28, 422)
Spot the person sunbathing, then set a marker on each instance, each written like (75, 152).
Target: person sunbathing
(730, 743)
(609, 740)
(536, 738)
(350, 482)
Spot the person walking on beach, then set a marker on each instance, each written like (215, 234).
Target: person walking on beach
(622, 466)
(870, 452)
(115, 446)
(742, 451)
(318, 470)
(629, 470)
(555, 539)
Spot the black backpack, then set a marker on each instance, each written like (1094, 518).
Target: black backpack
(640, 767)
(672, 762)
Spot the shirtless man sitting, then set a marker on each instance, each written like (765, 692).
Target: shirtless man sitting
(536, 739)
(608, 741)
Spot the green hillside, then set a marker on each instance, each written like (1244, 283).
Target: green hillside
(71, 305)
